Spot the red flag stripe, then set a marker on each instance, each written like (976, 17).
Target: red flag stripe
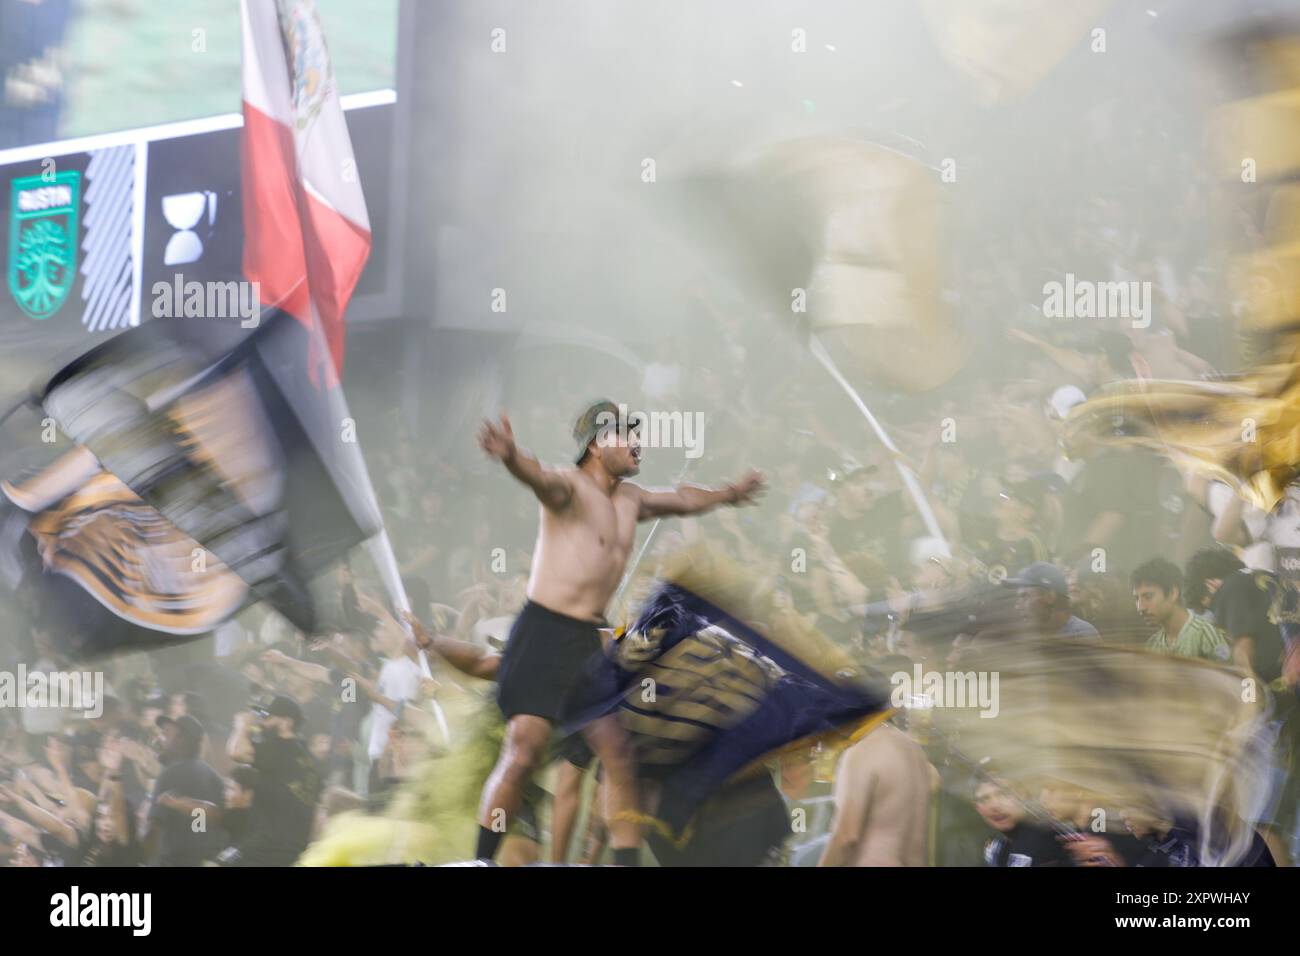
(273, 246)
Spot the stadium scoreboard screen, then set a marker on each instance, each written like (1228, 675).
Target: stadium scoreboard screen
(92, 226)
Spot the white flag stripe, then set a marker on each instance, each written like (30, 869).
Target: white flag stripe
(323, 148)
(328, 165)
(265, 70)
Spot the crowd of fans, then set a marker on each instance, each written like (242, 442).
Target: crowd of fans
(234, 749)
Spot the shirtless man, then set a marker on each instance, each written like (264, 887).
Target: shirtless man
(588, 525)
(882, 796)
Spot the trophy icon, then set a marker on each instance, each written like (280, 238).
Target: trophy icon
(184, 211)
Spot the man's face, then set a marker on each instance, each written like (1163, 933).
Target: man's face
(1154, 604)
(237, 797)
(278, 726)
(620, 455)
(998, 808)
(1035, 604)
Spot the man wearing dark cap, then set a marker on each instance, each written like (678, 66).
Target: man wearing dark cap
(288, 783)
(1043, 602)
(587, 527)
(183, 795)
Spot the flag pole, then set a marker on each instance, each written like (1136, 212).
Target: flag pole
(905, 472)
(381, 553)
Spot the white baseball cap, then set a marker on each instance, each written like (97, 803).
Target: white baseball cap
(1064, 399)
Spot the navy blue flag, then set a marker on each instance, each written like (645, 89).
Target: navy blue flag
(709, 681)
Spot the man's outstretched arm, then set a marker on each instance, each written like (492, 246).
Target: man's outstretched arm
(688, 499)
(465, 657)
(554, 489)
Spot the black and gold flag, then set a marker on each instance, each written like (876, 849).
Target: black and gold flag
(206, 475)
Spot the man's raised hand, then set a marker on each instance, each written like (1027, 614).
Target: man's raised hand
(422, 639)
(497, 438)
(749, 489)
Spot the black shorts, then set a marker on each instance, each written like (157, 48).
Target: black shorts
(548, 665)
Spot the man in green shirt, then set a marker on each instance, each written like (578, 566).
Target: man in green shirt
(1158, 592)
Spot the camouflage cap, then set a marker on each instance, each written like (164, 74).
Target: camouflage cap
(599, 415)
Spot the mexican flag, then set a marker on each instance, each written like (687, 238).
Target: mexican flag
(306, 230)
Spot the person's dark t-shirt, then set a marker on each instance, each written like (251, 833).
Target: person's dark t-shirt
(346, 718)
(284, 801)
(1241, 607)
(1127, 483)
(180, 844)
(344, 725)
(1026, 845)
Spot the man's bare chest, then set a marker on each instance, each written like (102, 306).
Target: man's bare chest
(608, 522)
